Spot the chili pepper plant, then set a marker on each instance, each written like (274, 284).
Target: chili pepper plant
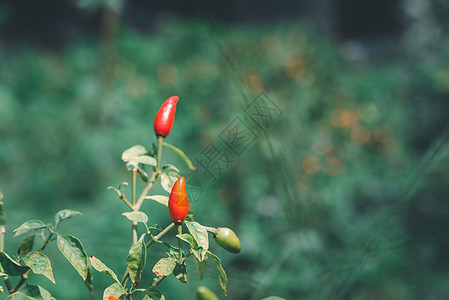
(193, 238)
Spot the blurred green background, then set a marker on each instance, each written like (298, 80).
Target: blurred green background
(342, 194)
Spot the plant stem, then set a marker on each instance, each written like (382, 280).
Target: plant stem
(2, 248)
(145, 191)
(125, 278)
(134, 186)
(161, 234)
(179, 230)
(158, 280)
(123, 198)
(160, 143)
(134, 229)
(21, 282)
(46, 242)
(157, 237)
(134, 226)
(2, 238)
(210, 229)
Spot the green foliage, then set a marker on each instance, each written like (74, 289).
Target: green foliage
(334, 199)
(72, 249)
(136, 261)
(39, 264)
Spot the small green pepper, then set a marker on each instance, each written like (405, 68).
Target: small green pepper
(227, 239)
(203, 293)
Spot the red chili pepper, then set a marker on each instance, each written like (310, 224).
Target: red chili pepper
(178, 204)
(113, 298)
(165, 116)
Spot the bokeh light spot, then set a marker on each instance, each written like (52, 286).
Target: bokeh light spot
(311, 165)
(167, 73)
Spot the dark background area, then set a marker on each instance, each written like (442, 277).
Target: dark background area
(53, 22)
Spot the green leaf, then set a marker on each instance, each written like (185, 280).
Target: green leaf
(181, 155)
(168, 180)
(188, 238)
(26, 245)
(155, 226)
(145, 159)
(200, 235)
(136, 216)
(198, 252)
(31, 292)
(221, 272)
(10, 266)
(2, 212)
(72, 249)
(159, 198)
(164, 266)
(273, 298)
(132, 152)
(170, 166)
(65, 214)
(115, 289)
(136, 261)
(89, 282)
(101, 267)
(39, 264)
(28, 226)
(172, 251)
(180, 273)
(201, 266)
(153, 293)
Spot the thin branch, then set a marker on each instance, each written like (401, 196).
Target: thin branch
(161, 234)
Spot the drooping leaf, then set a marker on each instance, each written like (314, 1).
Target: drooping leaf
(170, 166)
(181, 155)
(132, 152)
(31, 292)
(26, 245)
(136, 261)
(2, 213)
(28, 226)
(136, 216)
(89, 282)
(115, 289)
(101, 267)
(144, 159)
(186, 237)
(200, 235)
(197, 251)
(201, 266)
(172, 250)
(39, 264)
(153, 293)
(155, 226)
(221, 272)
(164, 266)
(65, 214)
(168, 180)
(159, 198)
(180, 272)
(10, 266)
(72, 249)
